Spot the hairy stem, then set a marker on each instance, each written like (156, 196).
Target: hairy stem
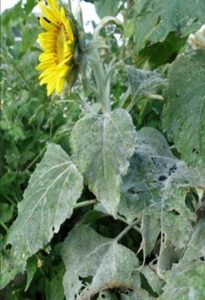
(124, 221)
(86, 203)
(102, 82)
(125, 231)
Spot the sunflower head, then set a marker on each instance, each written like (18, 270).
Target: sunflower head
(57, 42)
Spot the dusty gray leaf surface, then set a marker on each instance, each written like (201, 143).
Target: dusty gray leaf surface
(183, 116)
(143, 82)
(156, 19)
(102, 146)
(186, 284)
(87, 254)
(49, 199)
(156, 185)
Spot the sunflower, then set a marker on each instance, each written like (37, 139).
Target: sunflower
(57, 41)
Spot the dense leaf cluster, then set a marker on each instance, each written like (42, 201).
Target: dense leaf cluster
(106, 204)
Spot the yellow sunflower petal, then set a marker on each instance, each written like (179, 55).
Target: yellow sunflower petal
(60, 72)
(46, 25)
(54, 7)
(48, 78)
(47, 71)
(67, 24)
(62, 63)
(47, 35)
(51, 87)
(47, 55)
(47, 45)
(59, 85)
(43, 65)
(48, 13)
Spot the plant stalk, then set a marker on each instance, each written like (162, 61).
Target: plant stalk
(125, 231)
(85, 203)
(102, 82)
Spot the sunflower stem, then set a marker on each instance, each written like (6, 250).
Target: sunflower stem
(125, 231)
(85, 203)
(4, 226)
(102, 81)
(124, 221)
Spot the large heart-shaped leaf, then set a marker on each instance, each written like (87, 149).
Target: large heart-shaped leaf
(184, 114)
(95, 263)
(101, 148)
(156, 19)
(152, 168)
(49, 199)
(156, 185)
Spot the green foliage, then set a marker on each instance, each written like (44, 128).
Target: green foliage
(105, 7)
(183, 116)
(156, 19)
(113, 138)
(142, 82)
(186, 285)
(89, 254)
(55, 185)
(103, 187)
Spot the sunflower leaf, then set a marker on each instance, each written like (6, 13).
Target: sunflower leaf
(156, 19)
(183, 116)
(142, 82)
(185, 284)
(101, 148)
(156, 185)
(106, 8)
(94, 263)
(49, 199)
